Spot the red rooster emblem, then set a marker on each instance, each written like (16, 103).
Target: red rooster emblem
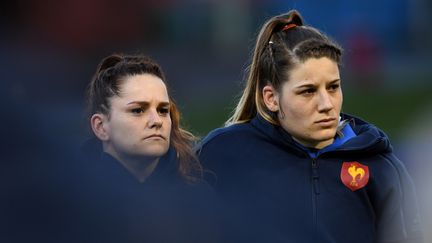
(354, 175)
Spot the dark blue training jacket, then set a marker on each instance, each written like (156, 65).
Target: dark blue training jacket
(275, 190)
(93, 198)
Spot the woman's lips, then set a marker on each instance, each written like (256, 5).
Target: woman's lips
(326, 122)
(155, 136)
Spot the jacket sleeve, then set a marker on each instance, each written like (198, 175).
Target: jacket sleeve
(399, 220)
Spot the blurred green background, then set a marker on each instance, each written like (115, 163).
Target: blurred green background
(390, 110)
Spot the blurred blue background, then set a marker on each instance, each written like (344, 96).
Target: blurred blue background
(49, 50)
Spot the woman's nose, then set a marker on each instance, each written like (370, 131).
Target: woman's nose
(154, 119)
(324, 102)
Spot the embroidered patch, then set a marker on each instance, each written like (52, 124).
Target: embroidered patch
(354, 175)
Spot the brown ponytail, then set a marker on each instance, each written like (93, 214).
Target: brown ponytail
(277, 49)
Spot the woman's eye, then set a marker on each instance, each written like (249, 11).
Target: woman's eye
(137, 110)
(163, 111)
(334, 87)
(307, 91)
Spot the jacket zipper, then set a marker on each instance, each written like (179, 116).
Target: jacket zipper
(316, 191)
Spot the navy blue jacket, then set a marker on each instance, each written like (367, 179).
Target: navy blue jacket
(94, 198)
(275, 190)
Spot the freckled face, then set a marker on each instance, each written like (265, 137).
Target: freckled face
(139, 123)
(311, 101)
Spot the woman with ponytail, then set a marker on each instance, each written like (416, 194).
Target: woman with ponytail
(290, 166)
(135, 121)
(138, 179)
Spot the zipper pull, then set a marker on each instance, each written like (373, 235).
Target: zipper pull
(315, 177)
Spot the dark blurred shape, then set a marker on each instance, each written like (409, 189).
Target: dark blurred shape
(364, 59)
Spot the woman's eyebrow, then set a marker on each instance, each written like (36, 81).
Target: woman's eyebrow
(334, 81)
(146, 103)
(164, 103)
(305, 86)
(143, 103)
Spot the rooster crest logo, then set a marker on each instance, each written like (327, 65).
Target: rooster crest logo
(354, 175)
(354, 172)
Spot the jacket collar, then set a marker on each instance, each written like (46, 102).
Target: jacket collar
(359, 136)
(165, 171)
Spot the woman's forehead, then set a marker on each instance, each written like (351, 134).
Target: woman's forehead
(314, 70)
(143, 88)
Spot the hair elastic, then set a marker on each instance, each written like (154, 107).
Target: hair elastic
(288, 26)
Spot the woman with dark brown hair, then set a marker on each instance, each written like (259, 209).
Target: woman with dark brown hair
(134, 118)
(140, 180)
(291, 167)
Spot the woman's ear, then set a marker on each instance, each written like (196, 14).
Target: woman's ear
(98, 124)
(271, 98)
